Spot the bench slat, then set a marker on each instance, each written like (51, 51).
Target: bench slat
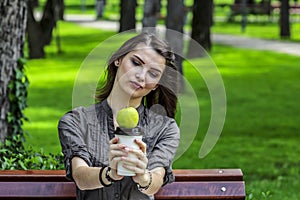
(37, 189)
(33, 175)
(180, 174)
(202, 190)
(208, 175)
(176, 190)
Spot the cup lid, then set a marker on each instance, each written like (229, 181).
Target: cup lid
(137, 131)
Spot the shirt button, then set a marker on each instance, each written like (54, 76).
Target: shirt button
(117, 195)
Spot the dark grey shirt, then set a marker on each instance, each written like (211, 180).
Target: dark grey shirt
(85, 132)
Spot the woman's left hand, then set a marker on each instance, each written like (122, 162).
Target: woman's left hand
(138, 164)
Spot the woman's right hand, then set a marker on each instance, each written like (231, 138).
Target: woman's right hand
(116, 152)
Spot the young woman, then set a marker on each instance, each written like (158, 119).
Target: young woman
(141, 74)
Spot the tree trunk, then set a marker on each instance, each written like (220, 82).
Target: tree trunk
(127, 15)
(12, 34)
(174, 24)
(174, 33)
(34, 33)
(285, 19)
(40, 32)
(151, 13)
(201, 23)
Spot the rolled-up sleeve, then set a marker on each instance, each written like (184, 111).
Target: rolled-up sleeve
(164, 149)
(71, 131)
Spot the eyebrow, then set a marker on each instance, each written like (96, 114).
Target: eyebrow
(141, 60)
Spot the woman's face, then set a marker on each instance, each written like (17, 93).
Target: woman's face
(140, 71)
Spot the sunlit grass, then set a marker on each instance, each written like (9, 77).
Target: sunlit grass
(266, 30)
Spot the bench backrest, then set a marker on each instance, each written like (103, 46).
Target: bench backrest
(189, 184)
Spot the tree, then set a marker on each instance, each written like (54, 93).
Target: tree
(127, 15)
(150, 14)
(40, 32)
(12, 37)
(284, 19)
(174, 24)
(201, 23)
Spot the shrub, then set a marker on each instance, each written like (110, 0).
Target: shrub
(14, 156)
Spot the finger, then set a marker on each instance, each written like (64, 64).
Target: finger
(116, 159)
(117, 153)
(114, 175)
(135, 163)
(139, 168)
(113, 163)
(118, 147)
(143, 156)
(139, 154)
(141, 145)
(115, 140)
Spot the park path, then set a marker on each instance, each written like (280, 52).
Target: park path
(291, 48)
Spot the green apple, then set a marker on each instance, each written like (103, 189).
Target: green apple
(128, 117)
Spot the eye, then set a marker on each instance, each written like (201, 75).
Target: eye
(135, 62)
(154, 74)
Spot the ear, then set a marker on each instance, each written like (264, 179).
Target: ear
(117, 63)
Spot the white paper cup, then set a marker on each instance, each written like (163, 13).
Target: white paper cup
(129, 141)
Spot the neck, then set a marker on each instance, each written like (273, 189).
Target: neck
(118, 100)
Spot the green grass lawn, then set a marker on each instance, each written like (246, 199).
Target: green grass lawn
(262, 30)
(260, 134)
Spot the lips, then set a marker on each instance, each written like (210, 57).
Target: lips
(135, 85)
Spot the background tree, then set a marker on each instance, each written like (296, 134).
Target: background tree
(174, 24)
(127, 15)
(151, 13)
(285, 19)
(40, 32)
(201, 24)
(12, 37)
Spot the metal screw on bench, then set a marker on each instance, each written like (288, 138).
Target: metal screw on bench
(220, 171)
(223, 189)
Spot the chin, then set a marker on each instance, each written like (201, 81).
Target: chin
(138, 94)
(135, 96)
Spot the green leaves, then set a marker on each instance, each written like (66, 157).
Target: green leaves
(22, 61)
(13, 156)
(17, 88)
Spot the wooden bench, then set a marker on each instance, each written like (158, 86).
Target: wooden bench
(294, 7)
(263, 8)
(255, 9)
(189, 184)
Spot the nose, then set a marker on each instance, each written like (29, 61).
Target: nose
(140, 75)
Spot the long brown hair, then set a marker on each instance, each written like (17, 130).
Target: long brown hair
(166, 92)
